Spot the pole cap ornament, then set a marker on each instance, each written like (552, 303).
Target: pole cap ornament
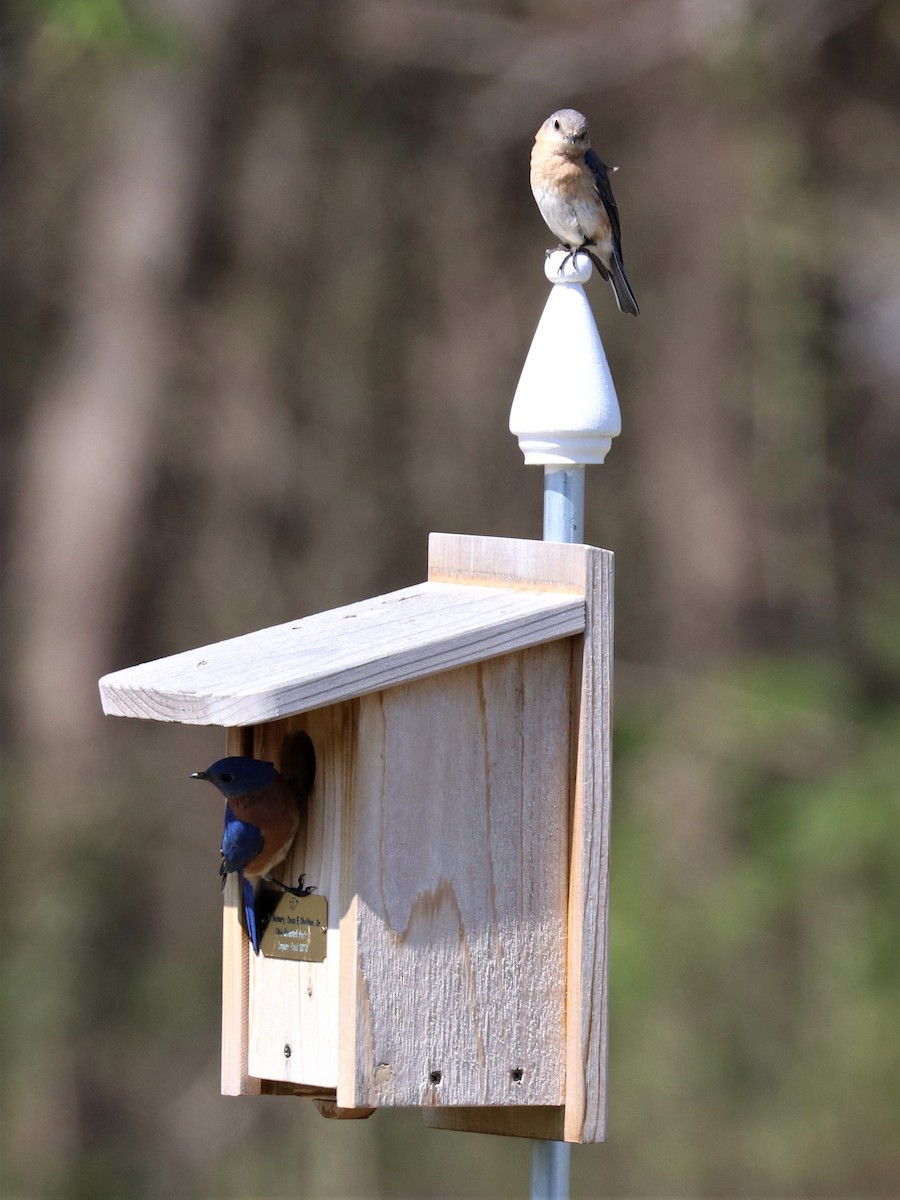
(565, 410)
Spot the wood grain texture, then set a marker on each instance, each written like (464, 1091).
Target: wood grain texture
(334, 656)
(536, 1121)
(588, 943)
(461, 844)
(296, 1004)
(511, 562)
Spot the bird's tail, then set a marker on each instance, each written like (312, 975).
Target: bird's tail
(625, 297)
(248, 895)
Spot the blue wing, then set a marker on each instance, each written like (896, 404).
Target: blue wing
(241, 842)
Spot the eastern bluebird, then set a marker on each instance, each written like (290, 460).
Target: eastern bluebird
(571, 187)
(262, 814)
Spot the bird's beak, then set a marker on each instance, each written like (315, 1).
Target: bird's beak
(200, 775)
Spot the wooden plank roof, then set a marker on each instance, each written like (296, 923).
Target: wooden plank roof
(332, 656)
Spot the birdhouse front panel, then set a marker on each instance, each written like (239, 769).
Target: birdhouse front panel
(294, 1007)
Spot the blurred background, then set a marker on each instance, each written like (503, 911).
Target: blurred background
(269, 275)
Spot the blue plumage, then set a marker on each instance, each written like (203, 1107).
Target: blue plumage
(261, 819)
(241, 842)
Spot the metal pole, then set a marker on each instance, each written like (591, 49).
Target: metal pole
(564, 503)
(563, 522)
(549, 1170)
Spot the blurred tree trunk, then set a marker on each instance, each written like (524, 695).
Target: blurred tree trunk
(88, 465)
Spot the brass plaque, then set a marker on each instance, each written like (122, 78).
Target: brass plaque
(297, 929)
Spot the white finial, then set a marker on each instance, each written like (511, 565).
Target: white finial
(565, 409)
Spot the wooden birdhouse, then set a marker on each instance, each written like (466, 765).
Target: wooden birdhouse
(458, 831)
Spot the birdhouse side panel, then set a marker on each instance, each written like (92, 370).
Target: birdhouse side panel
(294, 1005)
(462, 838)
(588, 937)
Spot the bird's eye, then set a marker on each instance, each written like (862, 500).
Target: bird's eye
(556, 124)
(225, 777)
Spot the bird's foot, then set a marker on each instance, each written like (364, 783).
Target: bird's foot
(561, 246)
(571, 251)
(299, 890)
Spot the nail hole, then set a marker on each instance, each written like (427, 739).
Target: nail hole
(435, 1076)
(287, 1050)
(516, 1074)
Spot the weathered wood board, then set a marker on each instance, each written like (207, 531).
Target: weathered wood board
(460, 884)
(333, 656)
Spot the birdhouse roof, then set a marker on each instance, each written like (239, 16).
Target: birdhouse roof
(484, 597)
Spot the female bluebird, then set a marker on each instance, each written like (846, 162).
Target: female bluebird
(571, 187)
(262, 815)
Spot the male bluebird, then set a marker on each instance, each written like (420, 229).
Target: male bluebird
(571, 187)
(262, 815)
